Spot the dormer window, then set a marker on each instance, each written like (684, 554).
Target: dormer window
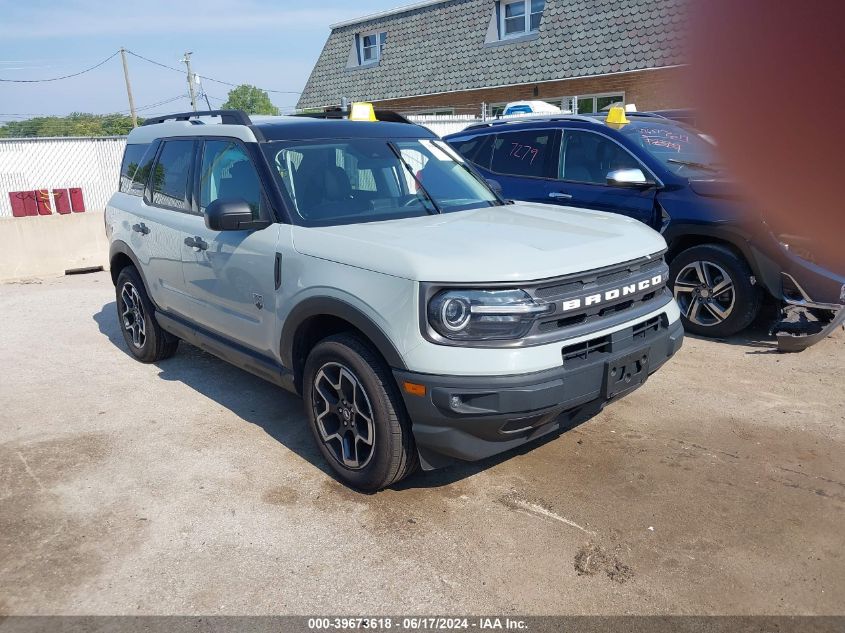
(371, 45)
(520, 17)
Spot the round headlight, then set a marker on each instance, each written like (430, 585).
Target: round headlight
(455, 314)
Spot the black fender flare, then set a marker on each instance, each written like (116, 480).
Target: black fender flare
(331, 306)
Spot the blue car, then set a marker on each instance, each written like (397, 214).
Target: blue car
(723, 255)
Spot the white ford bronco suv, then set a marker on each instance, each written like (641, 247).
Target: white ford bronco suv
(366, 266)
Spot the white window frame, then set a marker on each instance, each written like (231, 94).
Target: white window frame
(492, 106)
(595, 97)
(432, 112)
(378, 47)
(559, 102)
(526, 19)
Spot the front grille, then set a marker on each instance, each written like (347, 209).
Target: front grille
(601, 298)
(583, 303)
(595, 280)
(645, 303)
(553, 291)
(585, 349)
(642, 330)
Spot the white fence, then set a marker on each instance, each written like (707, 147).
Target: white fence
(50, 167)
(443, 124)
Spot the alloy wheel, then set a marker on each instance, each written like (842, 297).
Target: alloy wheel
(343, 415)
(132, 313)
(705, 293)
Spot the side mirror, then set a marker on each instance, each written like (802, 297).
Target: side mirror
(628, 178)
(233, 214)
(496, 186)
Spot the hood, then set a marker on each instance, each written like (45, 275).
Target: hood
(726, 189)
(518, 242)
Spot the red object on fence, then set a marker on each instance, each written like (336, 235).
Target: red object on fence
(42, 198)
(62, 201)
(23, 203)
(77, 202)
(16, 198)
(30, 203)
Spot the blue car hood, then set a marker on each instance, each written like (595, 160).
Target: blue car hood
(716, 188)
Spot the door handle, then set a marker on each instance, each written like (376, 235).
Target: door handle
(196, 242)
(141, 228)
(559, 195)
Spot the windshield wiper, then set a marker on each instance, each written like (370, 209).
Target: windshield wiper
(480, 179)
(692, 163)
(420, 187)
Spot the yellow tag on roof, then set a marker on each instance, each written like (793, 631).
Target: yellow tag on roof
(617, 115)
(362, 111)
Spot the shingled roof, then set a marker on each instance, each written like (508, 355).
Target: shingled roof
(439, 47)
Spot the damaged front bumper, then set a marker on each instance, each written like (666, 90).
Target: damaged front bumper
(805, 321)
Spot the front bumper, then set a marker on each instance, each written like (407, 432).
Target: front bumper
(801, 332)
(806, 320)
(812, 296)
(473, 417)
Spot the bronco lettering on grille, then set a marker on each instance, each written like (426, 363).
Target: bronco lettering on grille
(614, 293)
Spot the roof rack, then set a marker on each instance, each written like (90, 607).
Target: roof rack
(337, 113)
(236, 117)
(533, 119)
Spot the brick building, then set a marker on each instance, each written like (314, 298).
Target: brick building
(457, 56)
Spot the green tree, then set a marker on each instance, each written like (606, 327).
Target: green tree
(75, 124)
(143, 174)
(251, 100)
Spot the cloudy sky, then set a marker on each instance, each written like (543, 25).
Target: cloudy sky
(269, 44)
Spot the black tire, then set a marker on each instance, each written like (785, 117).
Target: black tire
(153, 344)
(707, 319)
(392, 456)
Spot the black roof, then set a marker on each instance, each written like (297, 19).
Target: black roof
(311, 126)
(305, 128)
(555, 120)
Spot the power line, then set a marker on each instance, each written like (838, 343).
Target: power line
(152, 61)
(146, 59)
(219, 81)
(159, 103)
(226, 83)
(81, 72)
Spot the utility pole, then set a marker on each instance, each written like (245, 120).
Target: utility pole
(128, 88)
(187, 61)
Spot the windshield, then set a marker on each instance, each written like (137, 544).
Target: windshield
(365, 180)
(679, 147)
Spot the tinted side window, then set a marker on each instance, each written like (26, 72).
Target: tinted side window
(227, 173)
(522, 153)
(589, 157)
(135, 169)
(170, 177)
(476, 149)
